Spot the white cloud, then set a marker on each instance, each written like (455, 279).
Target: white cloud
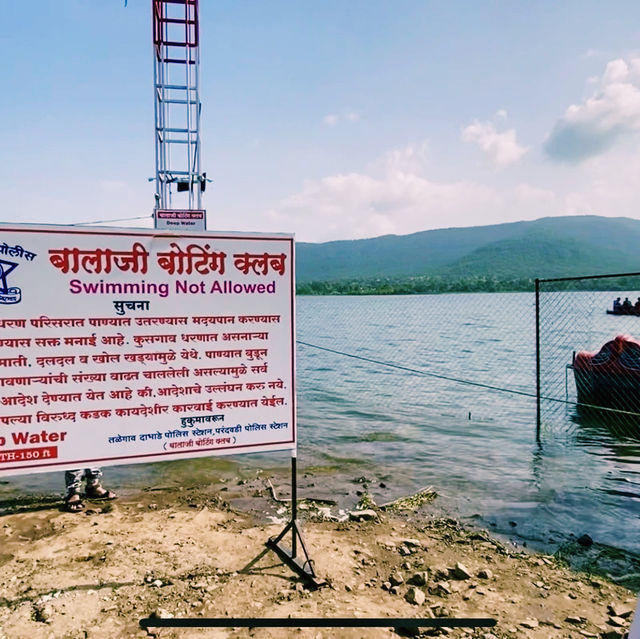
(407, 159)
(616, 71)
(608, 185)
(577, 203)
(357, 205)
(395, 197)
(501, 147)
(332, 119)
(601, 120)
(592, 53)
(546, 199)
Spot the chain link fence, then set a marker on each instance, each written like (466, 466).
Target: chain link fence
(458, 353)
(588, 355)
(433, 385)
(399, 393)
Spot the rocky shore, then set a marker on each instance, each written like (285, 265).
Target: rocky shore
(174, 552)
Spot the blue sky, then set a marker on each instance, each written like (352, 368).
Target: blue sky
(333, 119)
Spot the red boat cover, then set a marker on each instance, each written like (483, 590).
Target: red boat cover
(619, 356)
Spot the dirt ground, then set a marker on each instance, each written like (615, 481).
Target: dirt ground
(184, 553)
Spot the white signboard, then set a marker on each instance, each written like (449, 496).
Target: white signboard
(120, 346)
(180, 220)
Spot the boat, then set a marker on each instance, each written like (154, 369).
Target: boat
(610, 377)
(631, 311)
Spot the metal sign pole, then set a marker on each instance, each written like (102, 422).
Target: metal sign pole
(294, 500)
(302, 567)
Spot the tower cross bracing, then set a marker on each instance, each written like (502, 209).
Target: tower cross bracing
(177, 103)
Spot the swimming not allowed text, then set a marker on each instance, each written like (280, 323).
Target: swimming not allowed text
(163, 289)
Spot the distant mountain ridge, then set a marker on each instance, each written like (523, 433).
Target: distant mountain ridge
(547, 247)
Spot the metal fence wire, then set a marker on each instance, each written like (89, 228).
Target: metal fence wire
(404, 392)
(404, 379)
(588, 354)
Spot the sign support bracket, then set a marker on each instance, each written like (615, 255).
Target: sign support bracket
(302, 566)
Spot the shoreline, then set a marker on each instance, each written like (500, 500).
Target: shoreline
(243, 483)
(180, 551)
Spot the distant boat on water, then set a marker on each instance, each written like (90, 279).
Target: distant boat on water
(624, 308)
(632, 311)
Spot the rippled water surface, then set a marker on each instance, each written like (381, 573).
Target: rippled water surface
(382, 406)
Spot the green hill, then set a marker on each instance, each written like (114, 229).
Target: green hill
(539, 257)
(548, 247)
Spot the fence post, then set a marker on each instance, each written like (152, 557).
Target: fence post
(538, 360)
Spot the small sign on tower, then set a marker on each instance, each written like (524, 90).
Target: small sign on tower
(180, 219)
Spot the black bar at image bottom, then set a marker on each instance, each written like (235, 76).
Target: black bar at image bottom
(314, 622)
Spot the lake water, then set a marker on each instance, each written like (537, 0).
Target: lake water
(380, 408)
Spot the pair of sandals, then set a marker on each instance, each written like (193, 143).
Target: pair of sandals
(73, 501)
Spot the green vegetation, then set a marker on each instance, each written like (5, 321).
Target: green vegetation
(415, 285)
(472, 284)
(503, 257)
